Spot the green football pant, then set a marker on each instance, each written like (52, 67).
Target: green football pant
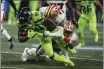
(92, 26)
(46, 43)
(33, 5)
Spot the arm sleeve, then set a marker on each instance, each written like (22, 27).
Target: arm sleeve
(58, 33)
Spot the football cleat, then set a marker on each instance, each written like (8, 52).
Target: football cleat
(24, 55)
(81, 44)
(72, 50)
(70, 63)
(11, 42)
(96, 38)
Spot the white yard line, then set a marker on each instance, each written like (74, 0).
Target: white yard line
(3, 67)
(90, 48)
(10, 67)
(12, 52)
(85, 58)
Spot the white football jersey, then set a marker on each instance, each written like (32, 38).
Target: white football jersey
(63, 7)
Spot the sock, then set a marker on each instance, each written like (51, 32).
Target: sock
(5, 33)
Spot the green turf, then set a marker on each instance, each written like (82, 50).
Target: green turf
(12, 58)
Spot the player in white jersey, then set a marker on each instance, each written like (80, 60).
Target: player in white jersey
(55, 14)
(63, 4)
(3, 31)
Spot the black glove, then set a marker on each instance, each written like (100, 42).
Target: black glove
(75, 23)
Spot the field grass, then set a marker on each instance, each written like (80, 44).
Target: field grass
(88, 57)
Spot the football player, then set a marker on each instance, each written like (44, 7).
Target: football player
(3, 31)
(37, 28)
(87, 15)
(63, 4)
(60, 44)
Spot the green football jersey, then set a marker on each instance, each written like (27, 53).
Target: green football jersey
(37, 21)
(87, 6)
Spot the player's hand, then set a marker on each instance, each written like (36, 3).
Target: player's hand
(75, 23)
(46, 33)
(31, 33)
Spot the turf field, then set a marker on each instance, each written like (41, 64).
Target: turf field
(88, 57)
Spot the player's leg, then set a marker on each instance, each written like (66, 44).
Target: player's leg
(47, 47)
(28, 52)
(93, 27)
(10, 38)
(81, 23)
(33, 5)
(5, 33)
(31, 52)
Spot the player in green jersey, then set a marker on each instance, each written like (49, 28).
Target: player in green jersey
(34, 21)
(86, 11)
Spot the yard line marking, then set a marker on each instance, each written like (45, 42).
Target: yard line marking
(82, 56)
(51, 67)
(90, 48)
(85, 59)
(45, 55)
(11, 52)
(10, 67)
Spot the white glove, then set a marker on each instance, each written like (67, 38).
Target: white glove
(46, 33)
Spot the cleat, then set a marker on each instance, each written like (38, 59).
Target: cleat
(70, 63)
(80, 44)
(11, 42)
(73, 50)
(96, 38)
(24, 55)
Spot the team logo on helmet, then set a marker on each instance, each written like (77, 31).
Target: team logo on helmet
(52, 10)
(25, 14)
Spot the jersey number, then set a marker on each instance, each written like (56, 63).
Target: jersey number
(86, 8)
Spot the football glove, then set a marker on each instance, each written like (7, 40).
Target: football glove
(31, 33)
(46, 33)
